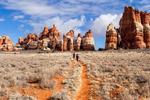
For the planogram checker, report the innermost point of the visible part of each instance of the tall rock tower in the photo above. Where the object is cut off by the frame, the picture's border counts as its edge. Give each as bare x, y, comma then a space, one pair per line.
134, 29
111, 37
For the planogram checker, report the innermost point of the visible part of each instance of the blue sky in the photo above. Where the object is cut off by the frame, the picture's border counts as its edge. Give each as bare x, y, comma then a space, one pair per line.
20, 17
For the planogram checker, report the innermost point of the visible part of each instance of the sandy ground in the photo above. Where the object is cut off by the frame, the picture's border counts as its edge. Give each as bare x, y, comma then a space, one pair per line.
103, 75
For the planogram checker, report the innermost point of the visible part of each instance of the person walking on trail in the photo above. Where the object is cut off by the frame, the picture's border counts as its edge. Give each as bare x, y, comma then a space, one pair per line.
77, 57
74, 55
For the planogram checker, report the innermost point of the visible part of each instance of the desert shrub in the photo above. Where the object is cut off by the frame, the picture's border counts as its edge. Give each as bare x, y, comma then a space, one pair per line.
17, 96
59, 96
3, 92
33, 78
45, 83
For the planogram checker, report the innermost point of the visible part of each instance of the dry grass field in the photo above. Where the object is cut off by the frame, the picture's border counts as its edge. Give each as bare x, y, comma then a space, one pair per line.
103, 75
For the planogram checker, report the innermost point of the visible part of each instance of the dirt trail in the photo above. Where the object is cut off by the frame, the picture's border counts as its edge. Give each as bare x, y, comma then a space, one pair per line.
84, 90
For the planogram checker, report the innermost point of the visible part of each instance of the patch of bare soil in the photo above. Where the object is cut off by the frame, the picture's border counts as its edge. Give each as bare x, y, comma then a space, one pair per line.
84, 90
38, 93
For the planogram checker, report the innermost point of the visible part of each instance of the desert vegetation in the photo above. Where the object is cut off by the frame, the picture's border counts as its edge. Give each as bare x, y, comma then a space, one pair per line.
105, 75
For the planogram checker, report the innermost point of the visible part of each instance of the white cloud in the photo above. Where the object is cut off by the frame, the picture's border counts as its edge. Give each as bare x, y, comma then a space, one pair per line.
62, 25
2, 19
42, 8
17, 17
30, 7
131, 1
64, 13
100, 24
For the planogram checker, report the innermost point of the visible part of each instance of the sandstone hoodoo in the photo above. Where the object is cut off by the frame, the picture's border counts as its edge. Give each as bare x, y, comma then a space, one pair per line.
145, 18
6, 44
54, 37
88, 41
29, 42
131, 28
68, 41
134, 30
111, 37
50, 39
77, 43
44, 34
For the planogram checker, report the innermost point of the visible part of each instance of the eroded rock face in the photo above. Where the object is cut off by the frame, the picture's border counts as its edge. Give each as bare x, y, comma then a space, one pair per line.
77, 44
53, 32
6, 44
88, 41
111, 37
145, 17
135, 29
50, 38
29, 42
54, 36
21, 41
68, 41
44, 34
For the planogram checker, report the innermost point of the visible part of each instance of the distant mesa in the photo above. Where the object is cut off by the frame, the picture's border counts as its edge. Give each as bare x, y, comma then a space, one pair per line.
133, 33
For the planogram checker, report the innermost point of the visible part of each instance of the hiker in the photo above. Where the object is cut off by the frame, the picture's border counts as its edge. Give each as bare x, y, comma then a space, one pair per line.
74, 55
77, 57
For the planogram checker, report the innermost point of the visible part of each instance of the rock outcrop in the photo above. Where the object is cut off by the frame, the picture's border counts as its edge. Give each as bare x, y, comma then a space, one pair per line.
134, 29
68, 41
29, 42
51, 39
145, 18
88, 41
77, 43
111, 37
6, 44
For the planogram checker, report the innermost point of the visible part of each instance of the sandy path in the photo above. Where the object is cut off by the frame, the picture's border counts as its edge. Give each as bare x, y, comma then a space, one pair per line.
84, 90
